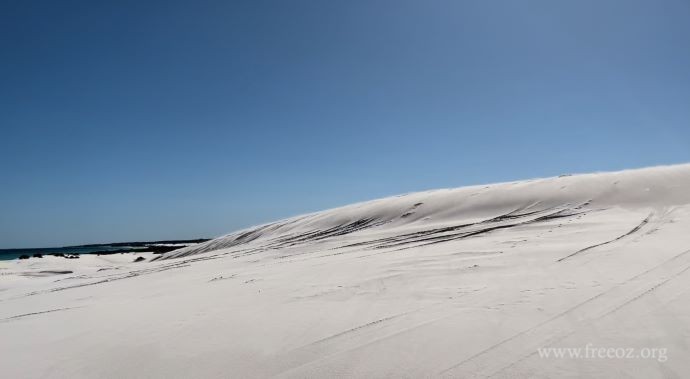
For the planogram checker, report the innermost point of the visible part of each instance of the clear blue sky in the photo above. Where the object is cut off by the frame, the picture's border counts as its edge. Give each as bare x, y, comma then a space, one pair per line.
141, 120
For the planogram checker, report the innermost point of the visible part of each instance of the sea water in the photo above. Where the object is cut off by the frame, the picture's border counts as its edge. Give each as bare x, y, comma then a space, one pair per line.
7, 254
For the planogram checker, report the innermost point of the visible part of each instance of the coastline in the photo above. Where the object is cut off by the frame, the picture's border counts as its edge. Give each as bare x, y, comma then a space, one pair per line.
155, 247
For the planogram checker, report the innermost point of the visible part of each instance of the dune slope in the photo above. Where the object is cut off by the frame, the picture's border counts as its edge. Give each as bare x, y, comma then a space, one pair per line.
467, 282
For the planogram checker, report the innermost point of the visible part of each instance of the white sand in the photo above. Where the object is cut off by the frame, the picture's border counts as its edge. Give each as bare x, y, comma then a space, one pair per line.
465, 282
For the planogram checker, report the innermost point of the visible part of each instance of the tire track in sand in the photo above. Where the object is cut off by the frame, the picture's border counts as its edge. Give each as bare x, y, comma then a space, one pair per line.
504, 354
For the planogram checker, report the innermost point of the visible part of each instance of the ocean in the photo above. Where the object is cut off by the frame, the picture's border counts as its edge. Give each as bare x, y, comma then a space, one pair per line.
8, 254
157, 247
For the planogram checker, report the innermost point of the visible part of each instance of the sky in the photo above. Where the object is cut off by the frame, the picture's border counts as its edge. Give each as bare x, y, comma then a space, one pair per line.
149, 120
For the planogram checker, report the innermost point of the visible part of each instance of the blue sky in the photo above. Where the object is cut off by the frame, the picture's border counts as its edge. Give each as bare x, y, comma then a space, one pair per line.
141, 120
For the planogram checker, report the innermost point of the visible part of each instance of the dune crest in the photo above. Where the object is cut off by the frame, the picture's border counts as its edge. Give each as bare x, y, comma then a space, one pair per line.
654, 188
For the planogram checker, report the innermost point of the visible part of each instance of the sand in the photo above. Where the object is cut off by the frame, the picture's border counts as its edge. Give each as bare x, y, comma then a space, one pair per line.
467, 282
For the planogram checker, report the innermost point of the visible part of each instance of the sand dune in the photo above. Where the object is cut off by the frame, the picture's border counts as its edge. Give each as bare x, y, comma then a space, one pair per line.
467, 282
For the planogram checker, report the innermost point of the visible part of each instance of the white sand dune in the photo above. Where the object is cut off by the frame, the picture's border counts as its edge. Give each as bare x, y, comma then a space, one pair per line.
466, 282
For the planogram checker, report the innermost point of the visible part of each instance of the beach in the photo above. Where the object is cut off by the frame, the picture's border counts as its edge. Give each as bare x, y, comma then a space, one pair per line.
467, 282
